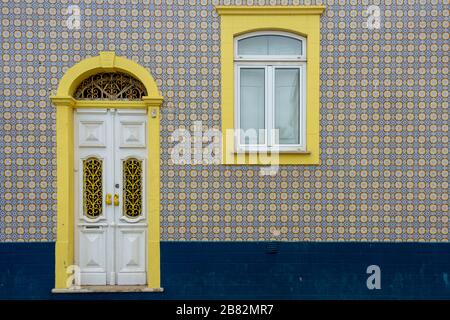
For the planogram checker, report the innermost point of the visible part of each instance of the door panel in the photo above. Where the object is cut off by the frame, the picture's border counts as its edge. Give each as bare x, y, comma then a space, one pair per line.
130, 171
110, 157
131, 255
93, 163
132, 133
93, 256
92, 133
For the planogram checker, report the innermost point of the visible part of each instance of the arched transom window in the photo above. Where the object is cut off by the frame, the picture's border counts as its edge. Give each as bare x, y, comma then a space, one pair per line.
270, 92
110, 86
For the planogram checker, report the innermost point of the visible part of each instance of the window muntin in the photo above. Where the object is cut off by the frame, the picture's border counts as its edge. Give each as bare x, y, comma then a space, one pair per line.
284, 96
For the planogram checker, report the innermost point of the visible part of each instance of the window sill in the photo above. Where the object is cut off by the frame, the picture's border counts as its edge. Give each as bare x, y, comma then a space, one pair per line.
249, 157
237, 152
106, 289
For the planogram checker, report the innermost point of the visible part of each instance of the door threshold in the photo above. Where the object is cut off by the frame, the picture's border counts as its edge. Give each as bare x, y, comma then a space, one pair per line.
107, 289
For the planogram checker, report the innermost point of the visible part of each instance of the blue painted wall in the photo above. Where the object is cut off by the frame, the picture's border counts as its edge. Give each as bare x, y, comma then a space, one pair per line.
259, 270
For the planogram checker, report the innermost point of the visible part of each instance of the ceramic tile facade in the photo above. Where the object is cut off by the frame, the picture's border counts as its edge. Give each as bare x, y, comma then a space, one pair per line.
384, 121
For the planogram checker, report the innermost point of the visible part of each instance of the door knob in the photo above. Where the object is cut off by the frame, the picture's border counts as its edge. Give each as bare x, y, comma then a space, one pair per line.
116, 200
108, 199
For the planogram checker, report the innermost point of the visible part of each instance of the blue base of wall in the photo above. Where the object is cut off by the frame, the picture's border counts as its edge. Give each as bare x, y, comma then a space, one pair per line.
259, 270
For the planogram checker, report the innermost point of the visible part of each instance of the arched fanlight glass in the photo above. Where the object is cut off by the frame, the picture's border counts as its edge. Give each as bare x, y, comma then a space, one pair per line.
270, 45
110, 86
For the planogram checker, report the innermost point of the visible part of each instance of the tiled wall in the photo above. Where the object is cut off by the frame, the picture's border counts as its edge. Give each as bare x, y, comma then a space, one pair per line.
384, 121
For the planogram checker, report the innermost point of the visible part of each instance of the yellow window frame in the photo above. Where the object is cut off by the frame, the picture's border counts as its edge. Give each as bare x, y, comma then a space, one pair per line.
301, 20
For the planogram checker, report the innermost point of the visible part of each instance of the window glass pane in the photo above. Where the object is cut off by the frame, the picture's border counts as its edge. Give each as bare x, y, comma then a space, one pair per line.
252, 105
270, 45
287, 105
253, 46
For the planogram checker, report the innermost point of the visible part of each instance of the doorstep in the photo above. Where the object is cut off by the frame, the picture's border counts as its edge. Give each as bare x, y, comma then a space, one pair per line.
107, 289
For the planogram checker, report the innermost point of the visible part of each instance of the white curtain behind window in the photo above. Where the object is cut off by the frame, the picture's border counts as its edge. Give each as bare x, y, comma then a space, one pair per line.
287, 105
252, 102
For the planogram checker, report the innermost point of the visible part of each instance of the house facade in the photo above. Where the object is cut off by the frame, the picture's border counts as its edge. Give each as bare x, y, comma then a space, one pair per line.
224, 149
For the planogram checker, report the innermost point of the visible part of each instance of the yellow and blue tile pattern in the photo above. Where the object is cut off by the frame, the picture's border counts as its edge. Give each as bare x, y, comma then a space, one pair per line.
384, 120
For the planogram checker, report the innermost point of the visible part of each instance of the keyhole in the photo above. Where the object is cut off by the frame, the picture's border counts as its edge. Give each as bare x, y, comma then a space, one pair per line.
117, 185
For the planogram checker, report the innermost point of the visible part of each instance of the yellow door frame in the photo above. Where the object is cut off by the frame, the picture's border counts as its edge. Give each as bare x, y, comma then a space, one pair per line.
65, 104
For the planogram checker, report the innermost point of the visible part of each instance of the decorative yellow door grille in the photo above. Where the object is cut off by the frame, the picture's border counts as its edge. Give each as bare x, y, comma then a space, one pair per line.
110, 86
132, 187
92, 187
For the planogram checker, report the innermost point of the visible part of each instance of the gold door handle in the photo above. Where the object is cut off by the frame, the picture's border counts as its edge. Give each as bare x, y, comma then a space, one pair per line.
116, 200
108, 199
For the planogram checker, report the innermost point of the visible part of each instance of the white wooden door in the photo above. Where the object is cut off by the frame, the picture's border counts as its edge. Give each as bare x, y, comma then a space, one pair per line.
111, 223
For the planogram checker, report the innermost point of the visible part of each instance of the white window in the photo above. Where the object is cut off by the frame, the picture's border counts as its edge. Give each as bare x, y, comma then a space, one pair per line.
270, 79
